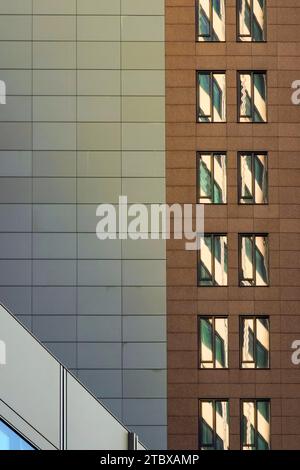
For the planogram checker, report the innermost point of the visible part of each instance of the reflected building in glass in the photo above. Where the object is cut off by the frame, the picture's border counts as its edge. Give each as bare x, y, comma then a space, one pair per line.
213, 260
212, 178
252, 97
212, 97
214, 425
253, 185
256, 425
213, 342
252, 20
211, 24
255, 342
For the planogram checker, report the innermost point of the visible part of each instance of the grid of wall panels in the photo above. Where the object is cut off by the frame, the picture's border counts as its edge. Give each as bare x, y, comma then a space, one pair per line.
83, 124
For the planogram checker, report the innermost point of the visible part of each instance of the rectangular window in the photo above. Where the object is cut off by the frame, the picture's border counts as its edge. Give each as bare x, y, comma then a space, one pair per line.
254, 260
255, 342
256, 425
252, 96
211, 97
213, 342
253, 178
212, 263
213, 425
212, 178
211, 20
252, 20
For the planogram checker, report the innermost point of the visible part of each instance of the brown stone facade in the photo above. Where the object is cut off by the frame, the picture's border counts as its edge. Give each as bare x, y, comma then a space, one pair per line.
280, 137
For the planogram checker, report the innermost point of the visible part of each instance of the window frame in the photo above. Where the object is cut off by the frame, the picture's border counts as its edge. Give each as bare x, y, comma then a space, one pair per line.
212, 154
211, 73
255, 318
213, 317
238, 33
213, 400
251, 73
212, 236
211, 25
252, 235
252, 154
255, 401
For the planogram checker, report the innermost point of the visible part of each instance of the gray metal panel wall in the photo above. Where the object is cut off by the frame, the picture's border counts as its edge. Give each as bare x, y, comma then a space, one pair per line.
83, 124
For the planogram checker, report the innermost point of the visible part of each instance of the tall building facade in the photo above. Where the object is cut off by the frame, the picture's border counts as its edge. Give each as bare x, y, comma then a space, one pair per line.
184, 101
83, 123
233, 145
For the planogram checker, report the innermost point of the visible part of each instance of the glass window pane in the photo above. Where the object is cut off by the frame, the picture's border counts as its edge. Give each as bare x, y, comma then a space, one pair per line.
219, 97
220, 179
211, 20
253, 97
245, 97
213, 260
214, 425
247, 261
254, 265
246, 179
262, 343
221, 343
261, 179
212, 97
263, 425
252, 20
218, 32
222, 425
10, 440
248, 338
260, 97
258, 20
206, 329
204, 97
205, 177
248, 425
261, 261
207, 423
220, 261
253, 179
206, 274
204, 19
245, 19
212, 179
256, 425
